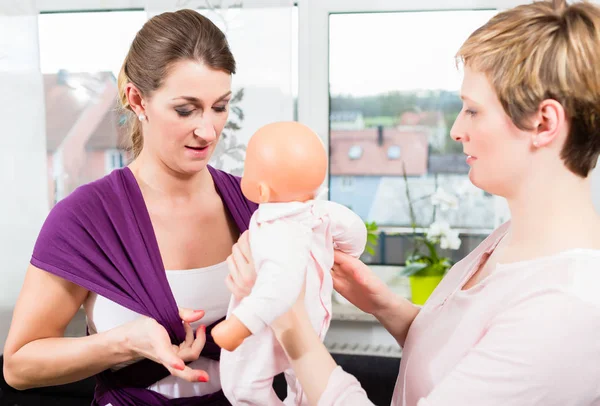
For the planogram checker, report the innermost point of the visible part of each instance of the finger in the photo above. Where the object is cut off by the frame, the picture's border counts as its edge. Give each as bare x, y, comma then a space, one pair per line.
189, 335
166, 354
246, 274
237, 284
339, 257
190, 375
244, 247
200, 340
234, 289
190, 315
192, 352
234, 271
339, 284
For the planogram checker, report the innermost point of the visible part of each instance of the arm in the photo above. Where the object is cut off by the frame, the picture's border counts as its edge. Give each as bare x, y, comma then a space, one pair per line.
542, 351
348, 229
36, 354
281, 251
324, 383
356, 282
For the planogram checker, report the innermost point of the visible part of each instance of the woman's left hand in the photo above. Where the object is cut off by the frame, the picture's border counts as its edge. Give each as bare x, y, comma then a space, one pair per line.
190, 349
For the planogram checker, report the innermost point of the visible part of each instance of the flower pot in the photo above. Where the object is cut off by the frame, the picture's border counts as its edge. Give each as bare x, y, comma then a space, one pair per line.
421, 287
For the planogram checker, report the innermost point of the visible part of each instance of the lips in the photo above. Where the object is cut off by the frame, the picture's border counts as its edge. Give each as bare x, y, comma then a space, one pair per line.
197, 148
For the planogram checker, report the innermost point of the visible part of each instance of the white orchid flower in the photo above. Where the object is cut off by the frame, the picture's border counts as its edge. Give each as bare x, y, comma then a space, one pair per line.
444, 200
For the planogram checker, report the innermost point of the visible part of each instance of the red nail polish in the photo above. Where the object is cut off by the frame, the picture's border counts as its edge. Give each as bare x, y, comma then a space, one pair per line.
203, 327
198, 311
179, 366
202, 378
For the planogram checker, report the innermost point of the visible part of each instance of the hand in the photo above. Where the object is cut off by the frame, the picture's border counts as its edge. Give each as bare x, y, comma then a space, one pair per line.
145, 337
242, 275
357, 283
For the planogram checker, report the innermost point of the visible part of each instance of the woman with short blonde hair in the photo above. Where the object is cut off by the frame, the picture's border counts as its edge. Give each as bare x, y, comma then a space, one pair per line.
516, 322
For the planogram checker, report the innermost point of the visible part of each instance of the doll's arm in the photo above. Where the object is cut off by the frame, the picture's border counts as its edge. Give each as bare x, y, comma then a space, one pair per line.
348, 229
281, 251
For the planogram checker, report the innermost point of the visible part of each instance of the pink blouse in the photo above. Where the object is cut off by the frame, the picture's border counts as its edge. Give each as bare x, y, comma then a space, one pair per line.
528, 334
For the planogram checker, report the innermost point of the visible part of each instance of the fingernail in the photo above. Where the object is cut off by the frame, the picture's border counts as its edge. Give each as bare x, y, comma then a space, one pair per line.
198, 311
203, 378
203, 327
178, 366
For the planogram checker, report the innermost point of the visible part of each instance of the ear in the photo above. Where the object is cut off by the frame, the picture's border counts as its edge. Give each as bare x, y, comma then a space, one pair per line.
135, 99
264, 192
550, 123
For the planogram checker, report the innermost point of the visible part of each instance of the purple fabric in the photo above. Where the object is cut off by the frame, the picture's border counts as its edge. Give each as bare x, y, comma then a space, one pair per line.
101, 238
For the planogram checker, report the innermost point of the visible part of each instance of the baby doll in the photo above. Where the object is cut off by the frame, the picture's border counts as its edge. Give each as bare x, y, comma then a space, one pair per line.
292, 240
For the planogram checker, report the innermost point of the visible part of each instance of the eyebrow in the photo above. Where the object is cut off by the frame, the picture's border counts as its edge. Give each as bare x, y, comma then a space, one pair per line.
196, 100
463, 97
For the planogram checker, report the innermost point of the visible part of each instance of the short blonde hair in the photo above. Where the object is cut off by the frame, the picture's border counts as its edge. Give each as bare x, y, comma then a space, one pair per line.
545, 50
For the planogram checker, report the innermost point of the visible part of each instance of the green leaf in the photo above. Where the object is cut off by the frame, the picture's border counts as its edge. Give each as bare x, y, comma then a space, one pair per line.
413, 268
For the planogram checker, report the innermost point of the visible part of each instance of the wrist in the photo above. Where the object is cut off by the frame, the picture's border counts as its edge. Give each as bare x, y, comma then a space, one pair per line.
391, 306
119, 344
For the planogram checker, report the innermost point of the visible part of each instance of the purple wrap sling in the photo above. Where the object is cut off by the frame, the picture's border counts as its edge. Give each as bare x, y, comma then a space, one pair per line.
100, 237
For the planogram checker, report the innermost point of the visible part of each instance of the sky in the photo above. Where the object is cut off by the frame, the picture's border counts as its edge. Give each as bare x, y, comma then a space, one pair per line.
381, 52
370, 53
91, 42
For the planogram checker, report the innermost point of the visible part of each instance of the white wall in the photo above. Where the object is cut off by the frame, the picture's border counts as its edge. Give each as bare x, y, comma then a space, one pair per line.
23, 205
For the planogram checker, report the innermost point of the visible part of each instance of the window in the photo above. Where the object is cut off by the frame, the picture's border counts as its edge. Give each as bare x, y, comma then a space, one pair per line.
393, 152
114, 159
355, 152
407, 98
347, 183
85, 132
80, 60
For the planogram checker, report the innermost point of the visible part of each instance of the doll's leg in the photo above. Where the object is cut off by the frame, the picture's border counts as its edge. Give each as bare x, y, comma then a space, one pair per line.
247, 373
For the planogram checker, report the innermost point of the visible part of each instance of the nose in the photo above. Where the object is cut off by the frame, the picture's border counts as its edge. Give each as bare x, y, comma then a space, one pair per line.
205, 129
457, 132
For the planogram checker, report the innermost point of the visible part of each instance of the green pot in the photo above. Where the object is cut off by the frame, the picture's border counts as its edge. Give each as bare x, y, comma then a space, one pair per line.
421, 287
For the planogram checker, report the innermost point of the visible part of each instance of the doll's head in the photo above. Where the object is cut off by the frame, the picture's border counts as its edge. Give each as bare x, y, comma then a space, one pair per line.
285, 162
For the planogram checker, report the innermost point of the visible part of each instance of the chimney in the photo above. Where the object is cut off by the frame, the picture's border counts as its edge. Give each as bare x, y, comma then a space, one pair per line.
380, 135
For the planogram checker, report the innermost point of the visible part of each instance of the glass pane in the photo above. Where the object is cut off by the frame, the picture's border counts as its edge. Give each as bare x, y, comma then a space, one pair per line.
394, 95
263, 40
80, 58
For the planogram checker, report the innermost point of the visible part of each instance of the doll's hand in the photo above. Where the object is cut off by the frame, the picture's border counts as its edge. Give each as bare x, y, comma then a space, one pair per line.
242, 275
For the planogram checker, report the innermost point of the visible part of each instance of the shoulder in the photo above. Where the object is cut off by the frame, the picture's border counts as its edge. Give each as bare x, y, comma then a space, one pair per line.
573, 273
225, 178
85, 199
230, 188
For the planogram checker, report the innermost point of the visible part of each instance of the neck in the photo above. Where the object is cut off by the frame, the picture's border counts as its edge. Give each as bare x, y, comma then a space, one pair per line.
551, 214
158, 177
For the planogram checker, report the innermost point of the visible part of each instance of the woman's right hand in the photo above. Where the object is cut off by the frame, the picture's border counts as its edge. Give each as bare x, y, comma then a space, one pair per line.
242, 275
356, 282
146, 338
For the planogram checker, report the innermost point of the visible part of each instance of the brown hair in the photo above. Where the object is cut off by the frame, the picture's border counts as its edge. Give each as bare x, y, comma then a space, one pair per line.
163, 40
545, 50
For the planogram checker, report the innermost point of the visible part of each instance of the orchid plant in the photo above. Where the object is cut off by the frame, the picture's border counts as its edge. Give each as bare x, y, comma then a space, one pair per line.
425, 259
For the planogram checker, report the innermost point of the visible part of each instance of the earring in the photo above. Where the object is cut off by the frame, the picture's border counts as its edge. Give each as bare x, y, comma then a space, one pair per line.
142, 117
535, 142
